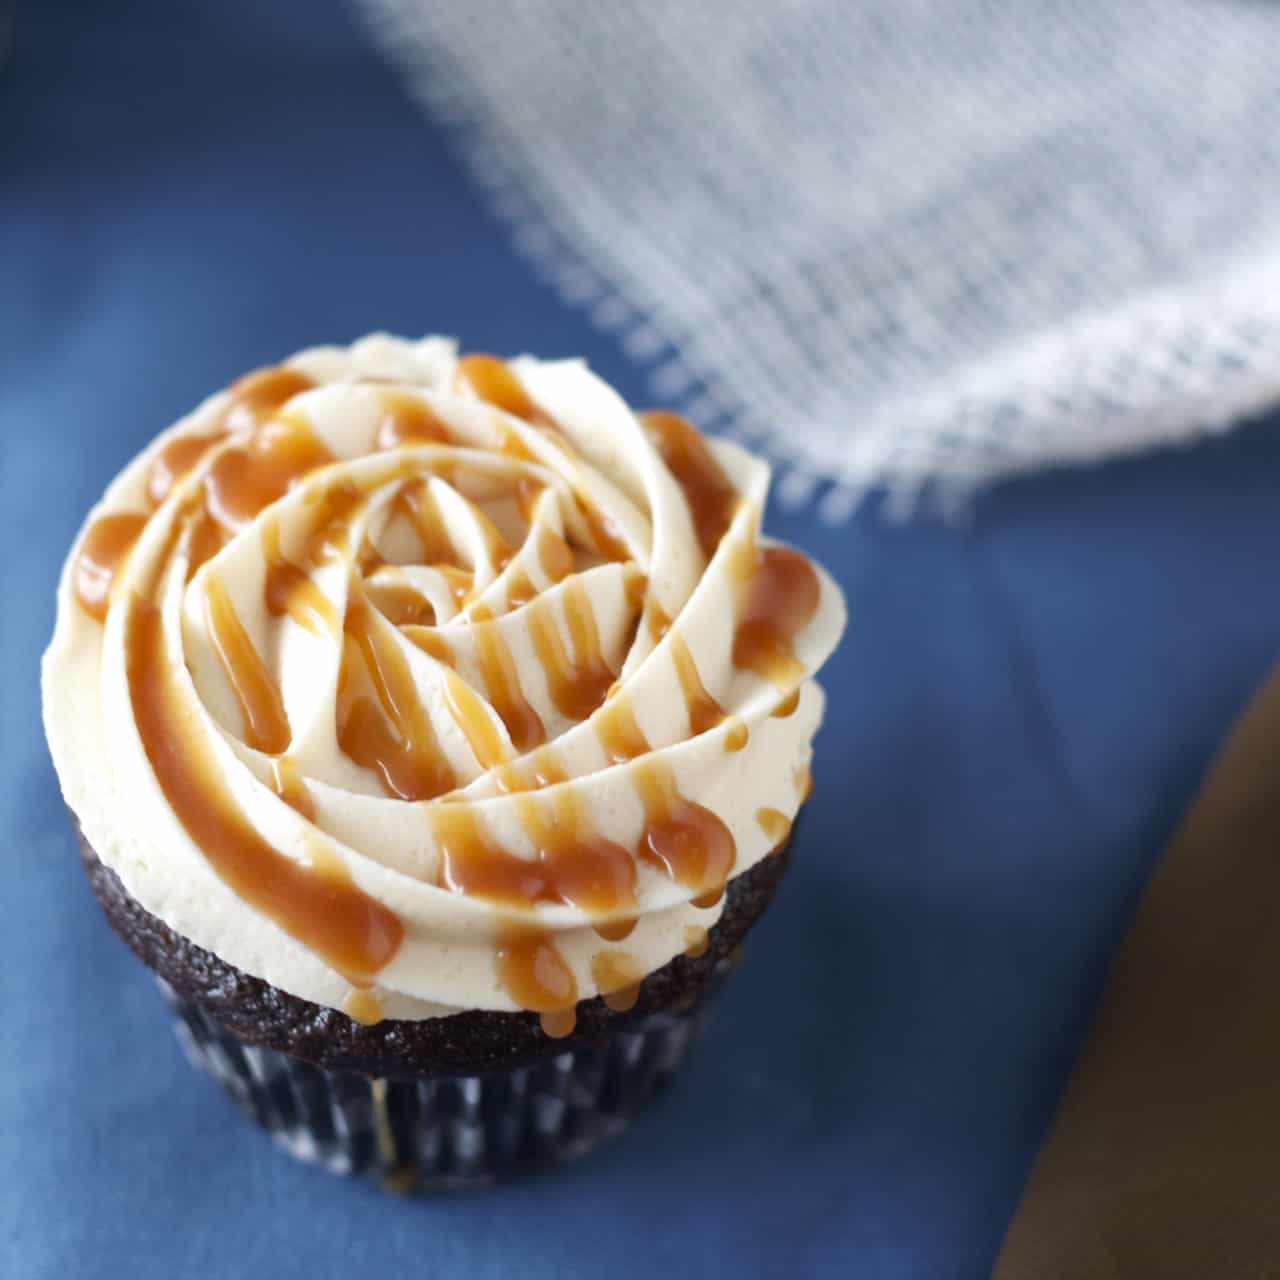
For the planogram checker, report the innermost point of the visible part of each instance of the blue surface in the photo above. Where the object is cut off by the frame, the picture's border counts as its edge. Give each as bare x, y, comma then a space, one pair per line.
1018, 713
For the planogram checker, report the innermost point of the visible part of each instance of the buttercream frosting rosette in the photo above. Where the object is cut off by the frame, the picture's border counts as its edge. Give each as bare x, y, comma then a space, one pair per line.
413, 683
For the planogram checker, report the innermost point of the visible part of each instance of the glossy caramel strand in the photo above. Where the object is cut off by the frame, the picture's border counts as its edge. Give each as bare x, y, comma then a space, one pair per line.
577, 685
704, 711
287, 590
316, 903
712, 500
175, 460
392, 736
261, 707
534, 973
617, 976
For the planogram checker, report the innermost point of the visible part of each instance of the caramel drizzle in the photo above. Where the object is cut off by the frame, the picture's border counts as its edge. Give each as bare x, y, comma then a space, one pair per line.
704, 711
288, 590
572, 866
393, 737
287, 783
687, 841
362, 1007
261, 707
577, 686
406, 421
696, 941
617, 976
775, 825
318, 904
619, 734
737, 736
492, 380
174, 461
246, 479
711, 499
256, 395
103, 551
401, 603
536, 977
787, 705
780, 598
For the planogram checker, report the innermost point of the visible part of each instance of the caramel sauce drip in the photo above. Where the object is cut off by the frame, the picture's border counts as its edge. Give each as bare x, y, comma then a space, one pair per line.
362, 1007
520, 590
712, 499
787, 705
502, 687
689, 842
616, 930
573, 866
534, 974
257, 395
317, 904
248, 478
395, 740
470, 716
775, 825
175, 460
804, 783
704, 711
737, 737
261, 707
658, 622
205, 542
287, 783
617, 977
696, 941
577, 687
492, 380
558, 1023
619, 734
603, 532
708, 899
406, 421
418, 504
103, 551
781, 596
539, 770
554, 555
286, 589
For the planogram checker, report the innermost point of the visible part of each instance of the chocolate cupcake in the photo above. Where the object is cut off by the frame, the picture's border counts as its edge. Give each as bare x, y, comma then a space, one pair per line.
435, 727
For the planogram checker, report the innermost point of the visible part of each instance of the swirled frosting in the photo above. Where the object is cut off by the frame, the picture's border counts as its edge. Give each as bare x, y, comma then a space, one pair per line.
414, 683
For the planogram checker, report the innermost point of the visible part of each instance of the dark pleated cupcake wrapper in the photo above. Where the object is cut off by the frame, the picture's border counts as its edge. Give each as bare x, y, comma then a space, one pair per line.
448, 1132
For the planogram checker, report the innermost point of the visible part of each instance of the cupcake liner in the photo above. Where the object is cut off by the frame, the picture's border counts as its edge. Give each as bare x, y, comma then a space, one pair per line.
442, 1132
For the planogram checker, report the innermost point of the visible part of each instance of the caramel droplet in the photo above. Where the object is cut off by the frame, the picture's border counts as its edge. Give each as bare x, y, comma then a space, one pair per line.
803, 778
788, 704
103, 551
617, 977
775, 824
695, 941
577, 686
737, 736
492, 380
616, 930
362, 1007
534, 974
558, 1023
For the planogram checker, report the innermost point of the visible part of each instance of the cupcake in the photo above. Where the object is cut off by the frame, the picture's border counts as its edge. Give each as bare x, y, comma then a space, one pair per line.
434, 728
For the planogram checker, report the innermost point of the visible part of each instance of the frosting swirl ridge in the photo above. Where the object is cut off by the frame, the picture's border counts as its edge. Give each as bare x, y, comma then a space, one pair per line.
414, 683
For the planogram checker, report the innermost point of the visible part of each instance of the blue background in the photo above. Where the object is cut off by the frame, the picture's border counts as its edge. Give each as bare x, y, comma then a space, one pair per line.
1018, 713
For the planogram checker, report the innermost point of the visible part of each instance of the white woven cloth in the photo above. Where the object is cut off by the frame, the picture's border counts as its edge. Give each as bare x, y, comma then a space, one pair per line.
918, 245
